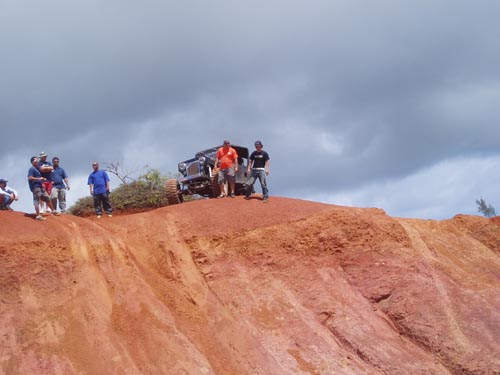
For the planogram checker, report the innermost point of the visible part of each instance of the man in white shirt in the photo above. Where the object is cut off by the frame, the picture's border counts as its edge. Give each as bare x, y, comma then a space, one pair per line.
7, 195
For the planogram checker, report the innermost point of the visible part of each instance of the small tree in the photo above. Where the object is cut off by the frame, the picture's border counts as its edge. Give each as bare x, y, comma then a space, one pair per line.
486, 209
124, 175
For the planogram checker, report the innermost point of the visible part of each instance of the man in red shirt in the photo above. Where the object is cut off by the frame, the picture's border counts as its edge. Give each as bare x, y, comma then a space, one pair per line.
227, 161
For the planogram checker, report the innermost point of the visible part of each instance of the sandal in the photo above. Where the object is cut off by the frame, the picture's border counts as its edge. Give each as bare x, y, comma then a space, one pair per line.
221, 196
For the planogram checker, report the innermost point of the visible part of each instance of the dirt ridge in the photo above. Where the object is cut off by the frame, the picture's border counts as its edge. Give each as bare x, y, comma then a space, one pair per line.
232, 287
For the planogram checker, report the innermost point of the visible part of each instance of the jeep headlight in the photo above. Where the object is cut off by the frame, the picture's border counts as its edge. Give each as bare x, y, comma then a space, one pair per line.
182, 167
202, 160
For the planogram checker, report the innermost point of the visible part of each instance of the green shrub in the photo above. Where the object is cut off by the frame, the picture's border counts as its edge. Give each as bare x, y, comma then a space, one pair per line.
145, 194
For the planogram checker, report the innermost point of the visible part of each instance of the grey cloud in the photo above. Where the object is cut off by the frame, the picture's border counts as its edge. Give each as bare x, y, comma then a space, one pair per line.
342, 93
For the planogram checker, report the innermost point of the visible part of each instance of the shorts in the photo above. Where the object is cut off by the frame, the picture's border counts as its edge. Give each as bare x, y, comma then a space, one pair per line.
226, 175
47, 186
39, 194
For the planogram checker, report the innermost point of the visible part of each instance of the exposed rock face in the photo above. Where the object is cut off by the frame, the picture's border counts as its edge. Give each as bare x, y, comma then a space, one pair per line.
234, 287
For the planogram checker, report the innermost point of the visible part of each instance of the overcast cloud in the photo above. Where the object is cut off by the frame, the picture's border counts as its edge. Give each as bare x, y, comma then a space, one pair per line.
389, 104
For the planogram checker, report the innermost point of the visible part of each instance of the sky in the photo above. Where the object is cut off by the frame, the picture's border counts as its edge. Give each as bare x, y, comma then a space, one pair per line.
365, 103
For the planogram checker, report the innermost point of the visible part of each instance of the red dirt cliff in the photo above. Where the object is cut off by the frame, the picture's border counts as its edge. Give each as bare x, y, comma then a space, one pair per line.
231, 287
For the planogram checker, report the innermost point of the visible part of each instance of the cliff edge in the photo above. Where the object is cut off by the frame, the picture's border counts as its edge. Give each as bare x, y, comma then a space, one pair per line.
235, 287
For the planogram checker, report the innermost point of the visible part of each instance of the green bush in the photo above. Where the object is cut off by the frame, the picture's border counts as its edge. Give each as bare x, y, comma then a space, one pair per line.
145, 194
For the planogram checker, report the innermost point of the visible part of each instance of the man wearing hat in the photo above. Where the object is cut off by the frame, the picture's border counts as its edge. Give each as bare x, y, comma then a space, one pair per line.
7, 195
258, 168
46, 169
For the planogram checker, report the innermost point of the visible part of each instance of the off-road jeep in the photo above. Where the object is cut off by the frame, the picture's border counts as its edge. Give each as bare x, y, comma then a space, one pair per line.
199, 176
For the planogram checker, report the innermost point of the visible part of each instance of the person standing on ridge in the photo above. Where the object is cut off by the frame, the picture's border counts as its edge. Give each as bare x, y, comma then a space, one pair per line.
226, 160
258, 167
46, 169
60, 185
98, 182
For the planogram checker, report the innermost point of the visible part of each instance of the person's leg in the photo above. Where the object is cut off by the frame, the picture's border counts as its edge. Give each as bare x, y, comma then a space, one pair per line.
7, 204
45, 197
53, 197
231, 185
61, 197
37, 192
231, 179
105, 203
222, 181
250, 183
97, 204
263, 184
43, 202
4, 202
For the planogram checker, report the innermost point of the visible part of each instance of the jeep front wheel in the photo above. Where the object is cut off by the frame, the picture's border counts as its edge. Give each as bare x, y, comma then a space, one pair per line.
214, 186
174, 193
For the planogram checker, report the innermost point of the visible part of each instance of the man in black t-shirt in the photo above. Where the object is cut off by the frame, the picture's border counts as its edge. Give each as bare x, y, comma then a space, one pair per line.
258, 168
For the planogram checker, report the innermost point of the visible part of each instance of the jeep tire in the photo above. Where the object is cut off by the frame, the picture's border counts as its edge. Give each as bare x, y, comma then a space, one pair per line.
214, 186
174, 193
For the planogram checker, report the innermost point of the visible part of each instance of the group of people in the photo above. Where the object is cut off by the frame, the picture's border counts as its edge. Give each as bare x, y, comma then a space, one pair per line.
226, 160
48, 182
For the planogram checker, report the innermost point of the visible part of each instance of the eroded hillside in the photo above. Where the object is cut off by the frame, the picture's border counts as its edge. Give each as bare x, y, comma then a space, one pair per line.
231, 287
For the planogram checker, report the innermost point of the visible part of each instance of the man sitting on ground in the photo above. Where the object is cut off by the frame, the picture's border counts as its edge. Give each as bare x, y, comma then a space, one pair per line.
7, 195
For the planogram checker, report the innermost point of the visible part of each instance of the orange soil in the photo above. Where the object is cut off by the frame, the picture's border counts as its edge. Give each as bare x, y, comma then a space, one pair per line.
231, 287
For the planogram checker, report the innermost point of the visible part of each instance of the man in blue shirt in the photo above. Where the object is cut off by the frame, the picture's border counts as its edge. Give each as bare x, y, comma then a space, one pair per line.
60, 185
98, 182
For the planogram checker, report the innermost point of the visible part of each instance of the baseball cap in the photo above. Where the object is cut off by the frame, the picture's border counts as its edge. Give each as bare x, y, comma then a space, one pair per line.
3, 181
42, 154
258, 143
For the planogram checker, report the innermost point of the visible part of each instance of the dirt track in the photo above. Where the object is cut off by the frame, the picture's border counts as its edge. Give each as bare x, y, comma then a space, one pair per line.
231, 287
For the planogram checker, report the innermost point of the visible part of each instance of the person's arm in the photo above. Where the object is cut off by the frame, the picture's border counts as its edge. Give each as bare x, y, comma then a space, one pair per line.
250, 162
90, 182
14, 195
106, 178
267, 167
65, 179
235, 161
33, 178
45, 168
217, 160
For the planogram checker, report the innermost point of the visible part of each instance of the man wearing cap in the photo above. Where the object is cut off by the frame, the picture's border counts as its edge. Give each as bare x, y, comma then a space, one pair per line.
35, 180
46, 169
7, 195
226, 160
258, 167
60, 185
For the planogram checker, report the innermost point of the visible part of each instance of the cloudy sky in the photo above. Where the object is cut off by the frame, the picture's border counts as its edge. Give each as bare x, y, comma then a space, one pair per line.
367, 103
